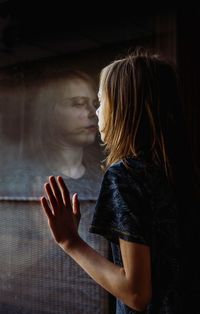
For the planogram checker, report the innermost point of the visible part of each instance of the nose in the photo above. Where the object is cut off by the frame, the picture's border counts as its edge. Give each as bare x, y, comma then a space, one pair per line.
91, 110
97, 112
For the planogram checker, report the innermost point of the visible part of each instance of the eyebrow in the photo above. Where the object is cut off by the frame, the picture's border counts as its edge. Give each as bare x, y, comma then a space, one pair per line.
76, 98
79, 98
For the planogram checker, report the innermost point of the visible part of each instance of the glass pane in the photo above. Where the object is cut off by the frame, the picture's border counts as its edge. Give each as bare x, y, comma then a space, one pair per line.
48, 127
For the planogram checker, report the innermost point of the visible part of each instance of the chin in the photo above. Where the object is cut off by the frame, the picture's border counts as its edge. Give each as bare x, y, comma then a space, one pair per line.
83, 140
102, 137
88, 141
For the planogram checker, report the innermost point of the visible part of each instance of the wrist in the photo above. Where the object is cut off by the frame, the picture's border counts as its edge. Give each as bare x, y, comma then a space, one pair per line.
70, 246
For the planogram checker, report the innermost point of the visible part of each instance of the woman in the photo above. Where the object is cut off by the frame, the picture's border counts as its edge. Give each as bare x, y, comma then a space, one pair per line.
137, 210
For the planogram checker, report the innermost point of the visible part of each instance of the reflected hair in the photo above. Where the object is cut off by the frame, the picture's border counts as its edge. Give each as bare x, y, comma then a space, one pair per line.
142, 109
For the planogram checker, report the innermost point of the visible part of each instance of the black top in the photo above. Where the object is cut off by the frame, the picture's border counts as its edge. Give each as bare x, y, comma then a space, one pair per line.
137, 204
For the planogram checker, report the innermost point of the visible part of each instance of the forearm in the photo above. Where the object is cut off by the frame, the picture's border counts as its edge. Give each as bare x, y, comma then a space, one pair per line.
110, 276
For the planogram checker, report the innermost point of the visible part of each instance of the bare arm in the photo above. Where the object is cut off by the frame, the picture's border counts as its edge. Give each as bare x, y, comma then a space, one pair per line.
130, 283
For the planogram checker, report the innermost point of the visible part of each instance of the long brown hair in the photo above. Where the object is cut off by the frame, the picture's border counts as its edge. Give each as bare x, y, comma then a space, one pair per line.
142, 111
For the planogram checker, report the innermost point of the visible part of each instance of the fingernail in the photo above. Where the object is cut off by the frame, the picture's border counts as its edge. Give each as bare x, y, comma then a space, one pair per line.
42, 199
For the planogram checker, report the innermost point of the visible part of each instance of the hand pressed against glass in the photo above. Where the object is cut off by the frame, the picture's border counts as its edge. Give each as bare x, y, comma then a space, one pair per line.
62, 212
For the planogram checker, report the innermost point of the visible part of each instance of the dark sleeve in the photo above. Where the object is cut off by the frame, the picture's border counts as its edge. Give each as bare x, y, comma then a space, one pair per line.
122, 209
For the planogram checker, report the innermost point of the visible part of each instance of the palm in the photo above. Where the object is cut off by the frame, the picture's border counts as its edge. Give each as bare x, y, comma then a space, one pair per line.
63, 216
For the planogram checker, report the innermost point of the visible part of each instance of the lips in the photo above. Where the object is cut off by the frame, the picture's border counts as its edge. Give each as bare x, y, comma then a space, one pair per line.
91, 128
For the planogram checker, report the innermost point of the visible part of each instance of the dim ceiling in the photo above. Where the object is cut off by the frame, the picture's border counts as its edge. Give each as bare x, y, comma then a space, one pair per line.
29, 31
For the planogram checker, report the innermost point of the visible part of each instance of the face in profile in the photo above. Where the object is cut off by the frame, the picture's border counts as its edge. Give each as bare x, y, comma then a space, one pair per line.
75, 113
100, 112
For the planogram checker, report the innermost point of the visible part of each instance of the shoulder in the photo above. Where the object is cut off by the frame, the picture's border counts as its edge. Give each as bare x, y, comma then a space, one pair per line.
121, 165
116, 168
116, 173
129, 168
137, 174
129, 174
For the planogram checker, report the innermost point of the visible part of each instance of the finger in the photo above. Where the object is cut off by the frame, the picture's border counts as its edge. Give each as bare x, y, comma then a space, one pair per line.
46, 208
75, 204
65, 192
56, 190
51, 196
76, 209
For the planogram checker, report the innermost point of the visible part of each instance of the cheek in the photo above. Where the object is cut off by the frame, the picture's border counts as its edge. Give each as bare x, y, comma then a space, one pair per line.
76, 114
65, 120
66, 115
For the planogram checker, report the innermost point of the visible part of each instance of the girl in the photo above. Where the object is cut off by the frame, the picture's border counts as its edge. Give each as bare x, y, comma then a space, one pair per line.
142, 129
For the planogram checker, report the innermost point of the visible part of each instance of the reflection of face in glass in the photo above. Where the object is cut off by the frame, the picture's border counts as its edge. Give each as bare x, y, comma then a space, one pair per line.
75, 113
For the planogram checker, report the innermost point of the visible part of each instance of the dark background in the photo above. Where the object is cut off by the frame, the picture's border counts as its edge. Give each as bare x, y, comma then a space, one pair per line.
32, 29
91, 35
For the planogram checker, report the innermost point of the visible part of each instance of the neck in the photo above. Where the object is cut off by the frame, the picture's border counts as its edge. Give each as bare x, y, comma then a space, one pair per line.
67, 160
